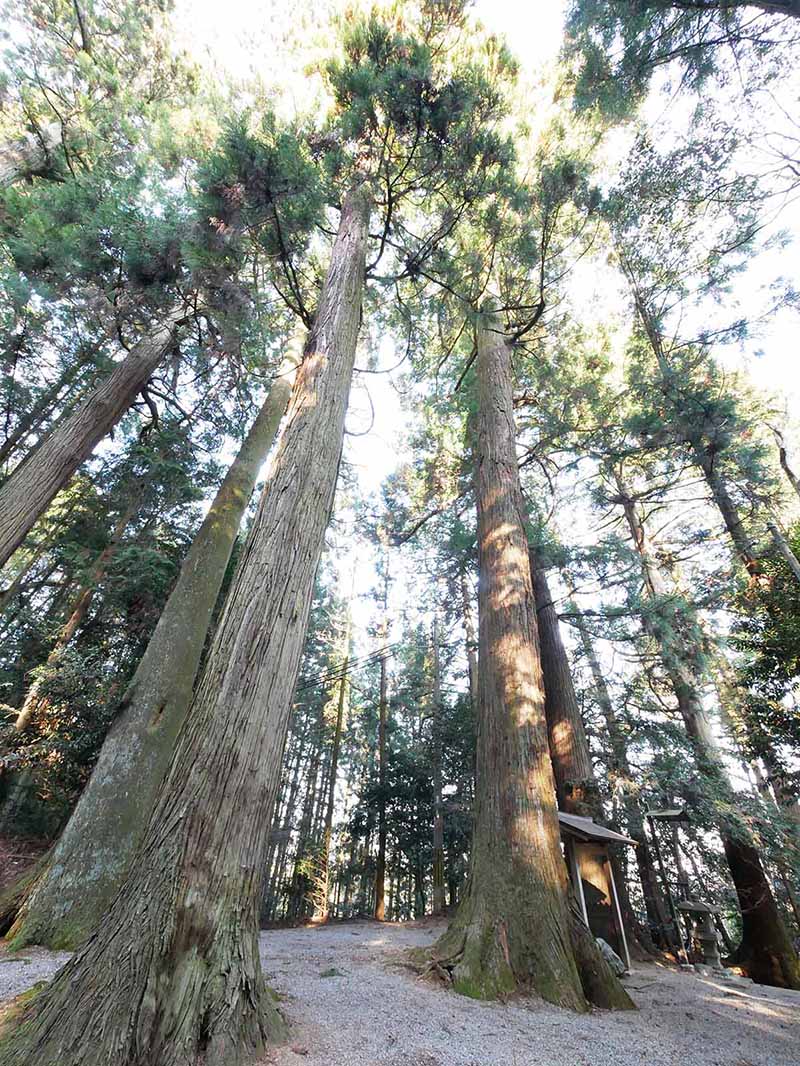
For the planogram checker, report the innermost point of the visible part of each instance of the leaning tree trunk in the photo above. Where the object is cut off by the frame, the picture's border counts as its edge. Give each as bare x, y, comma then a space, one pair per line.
512, 930
25, 496
41, 409
655, 905
22, 791
783, 458
80, 608
766, 949
784, 548
576, 785
704, 451
89, 860
173, 974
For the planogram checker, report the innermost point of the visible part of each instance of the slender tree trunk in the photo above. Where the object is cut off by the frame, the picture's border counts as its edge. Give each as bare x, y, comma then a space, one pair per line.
323, 886
298, 887
32, 419
90, 858
282, 826
26, 495
173, 974
576, 785
792, 478
364, 886
766, 949
784, 548
513, 930
706, 459
438, 814
471, 640
80, 607
704, 451
380, 865
23, 790
11, 590
655, 904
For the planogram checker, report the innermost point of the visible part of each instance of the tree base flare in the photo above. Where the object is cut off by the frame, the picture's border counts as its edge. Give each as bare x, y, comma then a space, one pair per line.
476, 961
488, 957
177, 1025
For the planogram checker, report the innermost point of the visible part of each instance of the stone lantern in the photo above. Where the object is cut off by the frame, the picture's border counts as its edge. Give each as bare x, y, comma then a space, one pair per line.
703, 931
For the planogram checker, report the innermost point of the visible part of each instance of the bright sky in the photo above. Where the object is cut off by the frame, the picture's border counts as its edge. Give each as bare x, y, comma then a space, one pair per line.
272, 39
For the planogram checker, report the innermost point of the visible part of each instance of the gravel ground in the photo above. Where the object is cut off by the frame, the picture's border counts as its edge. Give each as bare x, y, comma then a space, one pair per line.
351, 1003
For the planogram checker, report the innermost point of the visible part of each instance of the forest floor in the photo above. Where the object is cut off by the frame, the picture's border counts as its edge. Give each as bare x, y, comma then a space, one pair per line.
352, 1002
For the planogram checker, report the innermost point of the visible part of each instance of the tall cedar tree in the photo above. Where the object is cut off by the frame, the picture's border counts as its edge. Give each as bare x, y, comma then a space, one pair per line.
173, 975
513, 929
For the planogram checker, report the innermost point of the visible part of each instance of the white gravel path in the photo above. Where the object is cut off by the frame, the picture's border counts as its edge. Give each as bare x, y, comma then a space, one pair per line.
351, 1004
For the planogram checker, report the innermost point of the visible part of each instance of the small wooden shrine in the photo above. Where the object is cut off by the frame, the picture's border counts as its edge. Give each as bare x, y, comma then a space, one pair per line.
586, 849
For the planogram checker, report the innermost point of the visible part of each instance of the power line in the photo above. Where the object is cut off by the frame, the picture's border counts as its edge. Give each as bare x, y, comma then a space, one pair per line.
353, 664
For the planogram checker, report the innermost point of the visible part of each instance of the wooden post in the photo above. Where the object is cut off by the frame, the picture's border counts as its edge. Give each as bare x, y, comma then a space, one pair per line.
618, 913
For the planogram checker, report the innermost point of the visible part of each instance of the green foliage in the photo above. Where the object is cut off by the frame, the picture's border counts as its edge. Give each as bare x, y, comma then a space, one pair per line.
767, 633
620, 45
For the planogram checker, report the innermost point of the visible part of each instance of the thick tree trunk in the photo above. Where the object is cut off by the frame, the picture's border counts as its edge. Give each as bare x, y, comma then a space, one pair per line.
26, 495
173, 974
438, 813
766, 949
383, 709
90, 859
513, 929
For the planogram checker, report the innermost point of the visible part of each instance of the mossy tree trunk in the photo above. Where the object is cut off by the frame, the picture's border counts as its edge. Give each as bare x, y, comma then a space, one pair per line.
173, 976
513, 930
26, 495
88, 862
